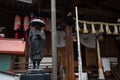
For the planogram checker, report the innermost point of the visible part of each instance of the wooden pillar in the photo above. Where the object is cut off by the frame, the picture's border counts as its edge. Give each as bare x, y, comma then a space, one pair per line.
69, 54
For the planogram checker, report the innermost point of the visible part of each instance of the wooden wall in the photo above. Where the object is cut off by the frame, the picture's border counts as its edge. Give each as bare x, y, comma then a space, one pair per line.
108, 48
91, 57
7, 20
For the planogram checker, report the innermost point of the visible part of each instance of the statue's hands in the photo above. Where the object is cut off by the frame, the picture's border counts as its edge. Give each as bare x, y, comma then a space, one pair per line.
38, 36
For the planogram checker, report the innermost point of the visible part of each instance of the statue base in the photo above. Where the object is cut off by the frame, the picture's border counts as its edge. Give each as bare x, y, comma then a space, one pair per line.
36, 74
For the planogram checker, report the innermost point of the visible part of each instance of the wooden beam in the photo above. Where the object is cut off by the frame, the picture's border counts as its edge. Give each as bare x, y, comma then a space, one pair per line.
73, 4
34, 1
38, 5
48, 10
86, 11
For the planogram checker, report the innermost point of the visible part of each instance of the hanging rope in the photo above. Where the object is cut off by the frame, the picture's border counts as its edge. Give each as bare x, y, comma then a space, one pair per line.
93, 24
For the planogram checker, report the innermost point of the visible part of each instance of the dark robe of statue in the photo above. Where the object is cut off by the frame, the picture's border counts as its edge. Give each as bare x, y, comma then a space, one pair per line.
37, 44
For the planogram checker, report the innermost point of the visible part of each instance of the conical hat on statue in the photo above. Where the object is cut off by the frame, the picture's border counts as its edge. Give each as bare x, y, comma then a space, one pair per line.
37, 22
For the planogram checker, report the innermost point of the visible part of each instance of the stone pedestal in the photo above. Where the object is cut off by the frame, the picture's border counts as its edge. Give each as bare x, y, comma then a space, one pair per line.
35, 74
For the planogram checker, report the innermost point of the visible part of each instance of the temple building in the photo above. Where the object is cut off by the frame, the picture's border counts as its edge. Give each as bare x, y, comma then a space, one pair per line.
82, 39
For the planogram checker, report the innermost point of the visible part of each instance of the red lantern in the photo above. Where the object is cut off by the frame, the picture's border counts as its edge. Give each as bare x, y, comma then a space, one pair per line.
17, 23
26, 23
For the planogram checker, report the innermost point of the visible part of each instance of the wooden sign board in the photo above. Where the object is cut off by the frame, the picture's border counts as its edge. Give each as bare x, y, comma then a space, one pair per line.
12, 46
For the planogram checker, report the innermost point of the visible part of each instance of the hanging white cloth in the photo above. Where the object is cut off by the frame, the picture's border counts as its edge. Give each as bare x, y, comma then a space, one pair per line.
88, 40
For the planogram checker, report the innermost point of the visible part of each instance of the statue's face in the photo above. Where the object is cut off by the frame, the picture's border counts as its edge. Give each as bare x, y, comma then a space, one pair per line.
32, 28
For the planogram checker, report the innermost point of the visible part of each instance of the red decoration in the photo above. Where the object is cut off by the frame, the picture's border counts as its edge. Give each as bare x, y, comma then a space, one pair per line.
26, 23
17, 23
